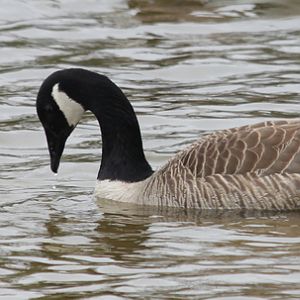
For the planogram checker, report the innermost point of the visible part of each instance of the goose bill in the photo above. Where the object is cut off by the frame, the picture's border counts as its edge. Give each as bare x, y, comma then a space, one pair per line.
56, 145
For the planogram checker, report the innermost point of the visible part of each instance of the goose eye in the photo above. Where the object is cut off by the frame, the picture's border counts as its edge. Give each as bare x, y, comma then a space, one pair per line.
48, 108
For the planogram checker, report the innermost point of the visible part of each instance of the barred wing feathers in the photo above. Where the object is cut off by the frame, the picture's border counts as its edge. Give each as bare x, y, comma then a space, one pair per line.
254, 167
264, 148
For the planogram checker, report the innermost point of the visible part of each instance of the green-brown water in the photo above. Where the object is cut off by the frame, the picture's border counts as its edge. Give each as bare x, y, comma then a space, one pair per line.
188, 67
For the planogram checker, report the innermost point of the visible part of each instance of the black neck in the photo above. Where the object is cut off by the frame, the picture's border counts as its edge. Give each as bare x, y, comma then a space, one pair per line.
122, 150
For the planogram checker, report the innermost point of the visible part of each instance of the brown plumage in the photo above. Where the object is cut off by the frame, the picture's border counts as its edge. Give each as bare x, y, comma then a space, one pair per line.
253, 167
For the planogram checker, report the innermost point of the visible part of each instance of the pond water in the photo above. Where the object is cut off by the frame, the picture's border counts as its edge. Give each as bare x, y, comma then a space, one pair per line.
188, 67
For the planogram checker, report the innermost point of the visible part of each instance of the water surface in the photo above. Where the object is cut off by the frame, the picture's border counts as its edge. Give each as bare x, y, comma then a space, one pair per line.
188, 67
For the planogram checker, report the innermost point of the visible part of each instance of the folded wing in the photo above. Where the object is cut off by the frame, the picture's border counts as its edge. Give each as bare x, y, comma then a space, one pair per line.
263, 148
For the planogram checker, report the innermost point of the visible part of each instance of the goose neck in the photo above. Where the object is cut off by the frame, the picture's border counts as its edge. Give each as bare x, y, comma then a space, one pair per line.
123, 157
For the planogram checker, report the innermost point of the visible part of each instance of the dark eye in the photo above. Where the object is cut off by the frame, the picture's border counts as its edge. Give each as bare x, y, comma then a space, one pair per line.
48, 108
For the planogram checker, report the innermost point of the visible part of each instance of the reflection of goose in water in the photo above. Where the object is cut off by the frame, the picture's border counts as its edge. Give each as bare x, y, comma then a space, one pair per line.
168, 10
251, 167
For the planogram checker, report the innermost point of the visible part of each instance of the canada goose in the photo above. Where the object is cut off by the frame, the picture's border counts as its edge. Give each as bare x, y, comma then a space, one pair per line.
250, 167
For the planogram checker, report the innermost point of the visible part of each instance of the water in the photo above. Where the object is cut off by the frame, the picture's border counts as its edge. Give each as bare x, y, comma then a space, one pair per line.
188, 67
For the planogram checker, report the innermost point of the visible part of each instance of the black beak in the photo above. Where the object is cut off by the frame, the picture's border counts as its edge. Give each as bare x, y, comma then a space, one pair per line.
56, 145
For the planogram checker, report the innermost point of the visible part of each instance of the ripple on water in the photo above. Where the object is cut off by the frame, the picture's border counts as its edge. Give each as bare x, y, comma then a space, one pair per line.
188, 68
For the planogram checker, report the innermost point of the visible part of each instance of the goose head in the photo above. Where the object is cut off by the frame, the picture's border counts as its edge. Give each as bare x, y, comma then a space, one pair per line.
62, 100
59, 115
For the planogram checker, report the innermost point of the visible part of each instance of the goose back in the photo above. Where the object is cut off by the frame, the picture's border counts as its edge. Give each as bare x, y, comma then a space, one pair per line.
254, 167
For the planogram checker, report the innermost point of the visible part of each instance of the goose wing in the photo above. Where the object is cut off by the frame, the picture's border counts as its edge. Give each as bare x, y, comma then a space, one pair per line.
263, 148
250, 167
253, 167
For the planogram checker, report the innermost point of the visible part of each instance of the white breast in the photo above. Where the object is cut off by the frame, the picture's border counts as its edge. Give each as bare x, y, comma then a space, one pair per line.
120, 191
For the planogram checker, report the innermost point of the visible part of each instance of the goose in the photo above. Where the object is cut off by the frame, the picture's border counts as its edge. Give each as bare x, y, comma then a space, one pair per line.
253, 167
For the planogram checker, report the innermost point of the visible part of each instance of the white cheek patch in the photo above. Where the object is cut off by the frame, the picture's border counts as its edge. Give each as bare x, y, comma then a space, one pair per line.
72, 110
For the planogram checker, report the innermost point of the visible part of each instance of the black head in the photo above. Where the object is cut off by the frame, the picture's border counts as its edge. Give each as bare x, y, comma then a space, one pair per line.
62, 99
58, 114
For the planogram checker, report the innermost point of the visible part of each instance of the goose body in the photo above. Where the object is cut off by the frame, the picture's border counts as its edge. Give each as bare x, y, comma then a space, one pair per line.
249, 167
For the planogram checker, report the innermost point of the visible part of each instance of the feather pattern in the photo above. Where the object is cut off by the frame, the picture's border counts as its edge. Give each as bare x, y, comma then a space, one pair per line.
250, 167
